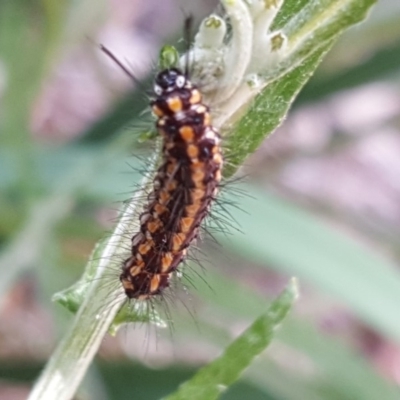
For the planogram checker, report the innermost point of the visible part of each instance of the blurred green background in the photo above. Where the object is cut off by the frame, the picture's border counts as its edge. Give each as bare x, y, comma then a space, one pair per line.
324, 205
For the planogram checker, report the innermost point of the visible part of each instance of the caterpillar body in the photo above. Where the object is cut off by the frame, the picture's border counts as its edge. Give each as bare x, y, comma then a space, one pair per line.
184, 187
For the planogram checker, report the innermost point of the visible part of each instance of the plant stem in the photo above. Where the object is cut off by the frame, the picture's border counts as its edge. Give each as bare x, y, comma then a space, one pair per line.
68, 364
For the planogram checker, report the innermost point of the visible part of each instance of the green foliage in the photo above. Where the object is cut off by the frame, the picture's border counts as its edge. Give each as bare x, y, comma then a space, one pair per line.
216, 377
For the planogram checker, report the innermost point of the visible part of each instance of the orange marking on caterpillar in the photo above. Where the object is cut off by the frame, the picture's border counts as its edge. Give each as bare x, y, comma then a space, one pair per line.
207, 119
187, 133
195, 98
174, 104
166, 262
154, 283
157, 111
136, 270
192, 209
160, 209
192, 151
154, 226
186, 223
144, 248
196, 195
164, 197
177, 241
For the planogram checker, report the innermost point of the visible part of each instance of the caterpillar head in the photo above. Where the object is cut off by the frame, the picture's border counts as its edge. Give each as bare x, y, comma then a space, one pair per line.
168, 80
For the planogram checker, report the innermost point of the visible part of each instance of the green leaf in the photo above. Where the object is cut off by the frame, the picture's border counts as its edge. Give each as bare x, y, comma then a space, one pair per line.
332, 371
213, 379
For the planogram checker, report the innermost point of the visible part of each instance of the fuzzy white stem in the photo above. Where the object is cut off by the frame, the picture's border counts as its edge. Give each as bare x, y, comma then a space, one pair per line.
231, 108
239, 51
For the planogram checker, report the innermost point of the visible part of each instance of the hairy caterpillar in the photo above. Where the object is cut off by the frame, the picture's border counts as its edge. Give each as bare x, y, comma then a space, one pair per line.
183, 190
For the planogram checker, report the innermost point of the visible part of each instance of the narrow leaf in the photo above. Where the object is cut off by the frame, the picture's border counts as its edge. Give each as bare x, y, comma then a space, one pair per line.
213, 379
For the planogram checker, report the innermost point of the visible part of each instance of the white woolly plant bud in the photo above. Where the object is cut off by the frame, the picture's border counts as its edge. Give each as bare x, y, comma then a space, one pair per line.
265, 45
269, 50
229, 71
264, 11
238, 50
207, 57
211, 33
